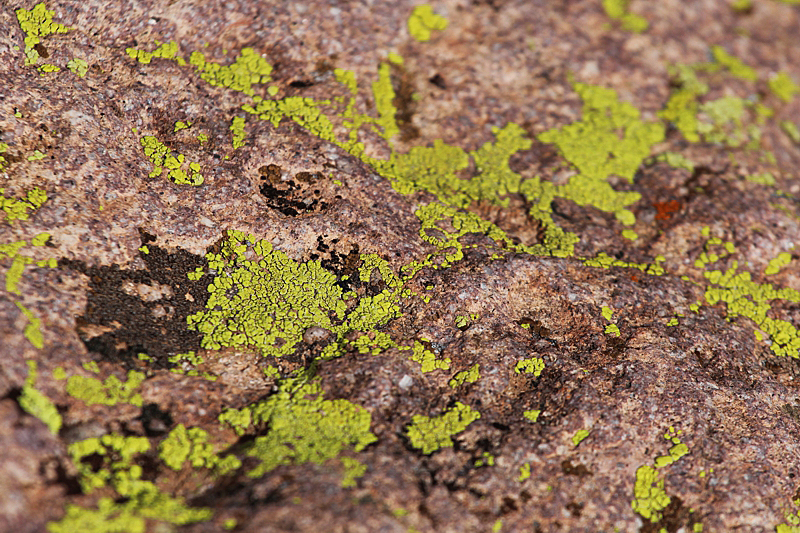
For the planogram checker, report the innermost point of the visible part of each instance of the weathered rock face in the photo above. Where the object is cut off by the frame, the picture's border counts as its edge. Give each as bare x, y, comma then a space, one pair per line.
507, 266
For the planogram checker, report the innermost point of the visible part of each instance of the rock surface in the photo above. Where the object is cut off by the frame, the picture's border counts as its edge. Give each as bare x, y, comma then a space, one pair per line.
478, 266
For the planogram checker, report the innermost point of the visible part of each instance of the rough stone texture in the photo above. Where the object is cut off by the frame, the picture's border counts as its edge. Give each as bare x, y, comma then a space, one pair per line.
733, 400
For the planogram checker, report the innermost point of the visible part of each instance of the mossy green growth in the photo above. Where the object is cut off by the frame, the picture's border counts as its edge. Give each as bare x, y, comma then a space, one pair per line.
783, 86
533, 365
650, 498
37, 24
161, 157
471, 375
302, 426
618, 10
109, 392
610, 139
237, 128
432, 433
734, 65
37, 404
138, 502
423, 21
182, 445
17, 209
268, 301
163, 51
775, 264
3, 161
78, 66
248, 69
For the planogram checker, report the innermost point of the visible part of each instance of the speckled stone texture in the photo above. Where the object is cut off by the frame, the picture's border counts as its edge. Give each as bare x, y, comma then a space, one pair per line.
709, 377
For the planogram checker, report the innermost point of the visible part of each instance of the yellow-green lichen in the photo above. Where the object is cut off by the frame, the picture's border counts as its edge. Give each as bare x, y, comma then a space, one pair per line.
138, 502
384, 96
109, 392
37, 24
237, 128
46, 69
723, 121
185, 363
791, 130
423, 21
17, 209
579, 436
32, 331
783, 86
618, 10
650, 498
598, 151
163, 51
532, 414
182, 445
471, 375
161, 157
269, 301
464, 321
775, 264
432, 433
744, 297
37, 404
78, 66
426, 358
676, 160
533, 365
36, 156
353, 469
524, 472
611, 329
734, 65
487, 459
302, 426
761, 178
678, 449
248, 69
